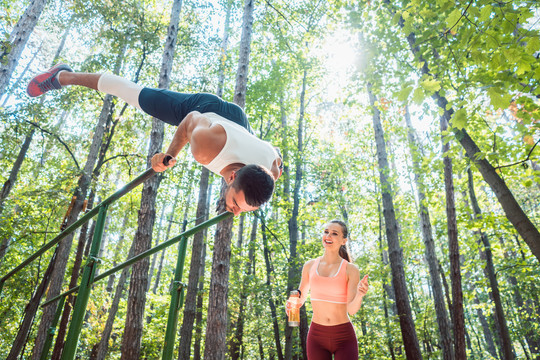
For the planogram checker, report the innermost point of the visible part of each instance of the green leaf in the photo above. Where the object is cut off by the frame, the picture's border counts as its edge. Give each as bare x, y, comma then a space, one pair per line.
499, 100
442, 3
512, 55
533, 45
453, 17
527, 182
523, 67
395, 19
459, 119
403, 95
418, 95
485, 13
430, 85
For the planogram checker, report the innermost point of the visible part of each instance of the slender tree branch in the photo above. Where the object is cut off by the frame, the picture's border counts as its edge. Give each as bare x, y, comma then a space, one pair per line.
260, 215
57, 138
522, 161
122, 156
280, 13
462, 15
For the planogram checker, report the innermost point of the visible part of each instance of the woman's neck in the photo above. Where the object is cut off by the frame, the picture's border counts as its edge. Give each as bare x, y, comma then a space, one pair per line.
331, 257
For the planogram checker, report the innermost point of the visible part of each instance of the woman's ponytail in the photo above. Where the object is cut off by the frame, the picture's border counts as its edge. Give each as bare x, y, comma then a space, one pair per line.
344, 249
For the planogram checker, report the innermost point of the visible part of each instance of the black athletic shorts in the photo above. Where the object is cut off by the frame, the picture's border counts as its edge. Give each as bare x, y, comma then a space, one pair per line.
172, 107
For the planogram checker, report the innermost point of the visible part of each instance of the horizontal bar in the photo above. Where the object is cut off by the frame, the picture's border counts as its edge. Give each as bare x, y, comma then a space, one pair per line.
148, 252
130, 186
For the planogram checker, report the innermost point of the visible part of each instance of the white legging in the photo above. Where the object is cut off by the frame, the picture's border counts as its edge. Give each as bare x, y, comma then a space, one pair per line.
118, 86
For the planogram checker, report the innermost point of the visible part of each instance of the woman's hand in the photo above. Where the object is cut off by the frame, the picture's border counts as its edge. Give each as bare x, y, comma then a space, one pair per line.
290, 304
363, 286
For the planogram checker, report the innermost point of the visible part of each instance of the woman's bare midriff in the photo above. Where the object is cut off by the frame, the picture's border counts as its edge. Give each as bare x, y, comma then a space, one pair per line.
327, 313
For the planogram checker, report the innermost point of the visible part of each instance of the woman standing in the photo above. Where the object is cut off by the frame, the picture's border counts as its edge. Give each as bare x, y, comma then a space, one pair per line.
336, 292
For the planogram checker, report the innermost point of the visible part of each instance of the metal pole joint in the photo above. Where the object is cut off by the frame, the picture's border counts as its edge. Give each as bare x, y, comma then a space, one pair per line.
177, 286
92, 260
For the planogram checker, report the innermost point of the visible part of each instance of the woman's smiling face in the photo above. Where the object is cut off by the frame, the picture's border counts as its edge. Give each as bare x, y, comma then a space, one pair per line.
332, 236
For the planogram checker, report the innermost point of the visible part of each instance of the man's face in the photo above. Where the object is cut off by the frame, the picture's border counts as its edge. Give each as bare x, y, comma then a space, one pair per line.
235, 201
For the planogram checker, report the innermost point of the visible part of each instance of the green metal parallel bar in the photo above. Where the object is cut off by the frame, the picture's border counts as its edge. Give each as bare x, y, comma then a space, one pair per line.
149, 252
130, 186
177, 298
52, 330
51, 243
79, 310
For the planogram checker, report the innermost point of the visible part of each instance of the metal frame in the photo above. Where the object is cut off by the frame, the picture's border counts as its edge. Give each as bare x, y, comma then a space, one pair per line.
85, 287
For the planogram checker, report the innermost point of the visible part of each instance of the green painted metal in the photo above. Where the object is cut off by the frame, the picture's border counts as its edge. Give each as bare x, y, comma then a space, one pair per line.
177, 298
79, 310
130, 186
177, 289
52, 330
149, 252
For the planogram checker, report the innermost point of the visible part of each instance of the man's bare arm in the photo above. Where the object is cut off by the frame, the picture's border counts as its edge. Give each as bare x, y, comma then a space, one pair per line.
180, 139
206, 141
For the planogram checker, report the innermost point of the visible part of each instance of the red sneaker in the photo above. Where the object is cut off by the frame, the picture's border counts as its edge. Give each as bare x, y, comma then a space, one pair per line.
46, 81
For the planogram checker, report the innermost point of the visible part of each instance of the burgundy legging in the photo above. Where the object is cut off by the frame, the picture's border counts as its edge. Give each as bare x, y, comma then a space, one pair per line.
340, 340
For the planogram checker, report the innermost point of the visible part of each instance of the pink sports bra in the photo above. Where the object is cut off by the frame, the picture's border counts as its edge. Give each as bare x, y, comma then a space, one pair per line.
329, 288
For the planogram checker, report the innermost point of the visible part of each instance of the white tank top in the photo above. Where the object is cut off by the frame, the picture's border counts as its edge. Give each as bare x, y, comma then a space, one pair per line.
240, 147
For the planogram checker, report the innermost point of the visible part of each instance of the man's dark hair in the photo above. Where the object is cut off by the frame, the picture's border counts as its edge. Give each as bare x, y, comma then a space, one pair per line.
256, 182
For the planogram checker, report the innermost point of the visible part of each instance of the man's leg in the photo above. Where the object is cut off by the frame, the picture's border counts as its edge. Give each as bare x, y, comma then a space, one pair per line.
88, 80
61, 75
168, 106
107, 83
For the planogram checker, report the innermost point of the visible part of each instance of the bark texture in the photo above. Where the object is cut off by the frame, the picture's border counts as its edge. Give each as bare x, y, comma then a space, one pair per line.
408, 330
131, 341
11, 51
445, 335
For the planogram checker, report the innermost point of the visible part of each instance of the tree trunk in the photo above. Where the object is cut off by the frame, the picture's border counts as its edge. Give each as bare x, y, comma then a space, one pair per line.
158, 239
8, 91
245, 49
30, 312
236, 341
527, 316
70, 300
10, 182
490, 270
131, 340
387, 292
408, 331
453, 248
192, 307
200, 290
224, 49
512, 209
488, 336
216, 330
99, 352
294, 273
10, 52
64, 246
106, 113
195, 271
445, 335
269, 291
162, 256
117, 249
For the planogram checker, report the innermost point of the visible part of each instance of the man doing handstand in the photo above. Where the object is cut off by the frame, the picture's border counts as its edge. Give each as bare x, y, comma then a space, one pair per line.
219, 133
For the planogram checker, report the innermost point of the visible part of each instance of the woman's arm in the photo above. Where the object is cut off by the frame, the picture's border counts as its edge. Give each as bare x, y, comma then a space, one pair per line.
356, 289
303, 287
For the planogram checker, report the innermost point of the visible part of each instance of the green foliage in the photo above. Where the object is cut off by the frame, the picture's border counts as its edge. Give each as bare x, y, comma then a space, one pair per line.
482, 56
